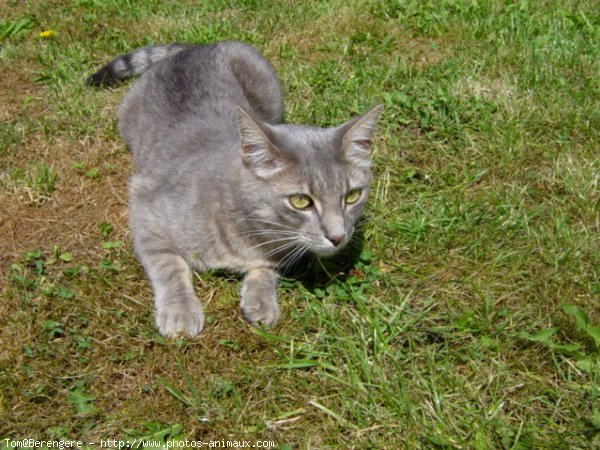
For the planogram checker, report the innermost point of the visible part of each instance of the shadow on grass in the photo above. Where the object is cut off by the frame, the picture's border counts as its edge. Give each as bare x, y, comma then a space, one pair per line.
317, 273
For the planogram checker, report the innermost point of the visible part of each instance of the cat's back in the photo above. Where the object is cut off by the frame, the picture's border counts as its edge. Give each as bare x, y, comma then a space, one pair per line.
191, 98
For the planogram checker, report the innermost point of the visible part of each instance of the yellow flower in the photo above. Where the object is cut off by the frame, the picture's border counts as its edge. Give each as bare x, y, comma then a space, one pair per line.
47, 34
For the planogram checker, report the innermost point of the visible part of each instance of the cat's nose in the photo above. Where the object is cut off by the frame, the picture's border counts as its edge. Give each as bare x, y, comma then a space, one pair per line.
336, 239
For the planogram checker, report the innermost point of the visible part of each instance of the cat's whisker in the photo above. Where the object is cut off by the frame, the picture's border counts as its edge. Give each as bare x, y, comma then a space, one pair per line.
252, 233
286, 244
296, 258
254, 217
279, 249
262, 244
291, 258
311, 262
271, 242
265, 221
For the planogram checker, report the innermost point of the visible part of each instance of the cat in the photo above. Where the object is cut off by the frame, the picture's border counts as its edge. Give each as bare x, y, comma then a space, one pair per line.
220, 182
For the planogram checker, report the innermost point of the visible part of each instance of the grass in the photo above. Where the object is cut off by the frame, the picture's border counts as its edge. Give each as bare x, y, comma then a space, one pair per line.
470, 319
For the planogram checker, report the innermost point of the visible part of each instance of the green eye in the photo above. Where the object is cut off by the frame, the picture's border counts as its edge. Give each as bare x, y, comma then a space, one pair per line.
300, 201
352, 196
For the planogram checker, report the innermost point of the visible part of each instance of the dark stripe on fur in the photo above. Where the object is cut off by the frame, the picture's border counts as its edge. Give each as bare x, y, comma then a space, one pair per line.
104, 77
126, 66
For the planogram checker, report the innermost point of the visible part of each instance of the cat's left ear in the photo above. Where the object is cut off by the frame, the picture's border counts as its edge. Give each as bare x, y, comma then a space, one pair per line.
356, 137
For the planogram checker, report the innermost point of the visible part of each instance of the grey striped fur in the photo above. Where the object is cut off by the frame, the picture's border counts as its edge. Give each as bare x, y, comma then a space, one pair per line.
216, 171
133, 64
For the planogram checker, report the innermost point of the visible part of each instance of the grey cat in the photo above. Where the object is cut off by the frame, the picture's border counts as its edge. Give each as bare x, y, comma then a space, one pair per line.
221, 183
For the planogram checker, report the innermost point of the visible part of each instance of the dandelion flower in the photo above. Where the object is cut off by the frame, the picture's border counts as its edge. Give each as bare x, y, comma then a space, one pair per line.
47, 34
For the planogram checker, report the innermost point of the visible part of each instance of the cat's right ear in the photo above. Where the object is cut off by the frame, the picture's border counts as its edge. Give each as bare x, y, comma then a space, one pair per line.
258, 153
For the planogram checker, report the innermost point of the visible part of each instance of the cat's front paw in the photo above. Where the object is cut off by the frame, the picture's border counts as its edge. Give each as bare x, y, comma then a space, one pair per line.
258, 308
180, 319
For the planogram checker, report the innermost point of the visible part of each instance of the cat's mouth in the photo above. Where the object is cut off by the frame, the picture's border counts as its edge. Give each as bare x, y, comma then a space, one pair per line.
325, 246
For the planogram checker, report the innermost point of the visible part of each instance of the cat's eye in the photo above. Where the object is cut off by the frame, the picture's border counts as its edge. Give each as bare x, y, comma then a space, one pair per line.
300, 201
352, 196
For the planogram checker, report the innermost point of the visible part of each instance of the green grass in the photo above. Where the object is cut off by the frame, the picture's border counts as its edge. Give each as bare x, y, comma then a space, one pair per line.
470, 319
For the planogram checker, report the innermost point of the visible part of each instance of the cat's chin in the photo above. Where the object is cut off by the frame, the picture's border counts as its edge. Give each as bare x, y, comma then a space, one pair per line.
326, 252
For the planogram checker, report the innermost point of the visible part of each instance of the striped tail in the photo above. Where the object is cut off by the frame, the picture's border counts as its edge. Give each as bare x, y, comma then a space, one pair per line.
133, 63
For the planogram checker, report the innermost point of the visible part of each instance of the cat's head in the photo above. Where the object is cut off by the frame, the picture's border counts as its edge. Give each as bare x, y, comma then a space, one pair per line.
306, 187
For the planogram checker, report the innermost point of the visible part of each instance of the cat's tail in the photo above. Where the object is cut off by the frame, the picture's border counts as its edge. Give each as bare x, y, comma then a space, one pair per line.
133, 63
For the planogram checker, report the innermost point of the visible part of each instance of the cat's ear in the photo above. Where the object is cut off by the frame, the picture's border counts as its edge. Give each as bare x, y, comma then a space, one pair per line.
356, 137
258, 153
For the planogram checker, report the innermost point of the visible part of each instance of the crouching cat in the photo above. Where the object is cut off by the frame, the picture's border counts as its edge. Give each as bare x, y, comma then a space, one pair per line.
221, 183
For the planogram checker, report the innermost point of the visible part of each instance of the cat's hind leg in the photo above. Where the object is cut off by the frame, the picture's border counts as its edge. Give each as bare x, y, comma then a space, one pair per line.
259, 296
178, 311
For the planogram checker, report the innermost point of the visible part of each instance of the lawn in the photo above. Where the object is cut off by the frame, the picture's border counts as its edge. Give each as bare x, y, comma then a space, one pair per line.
471, 317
